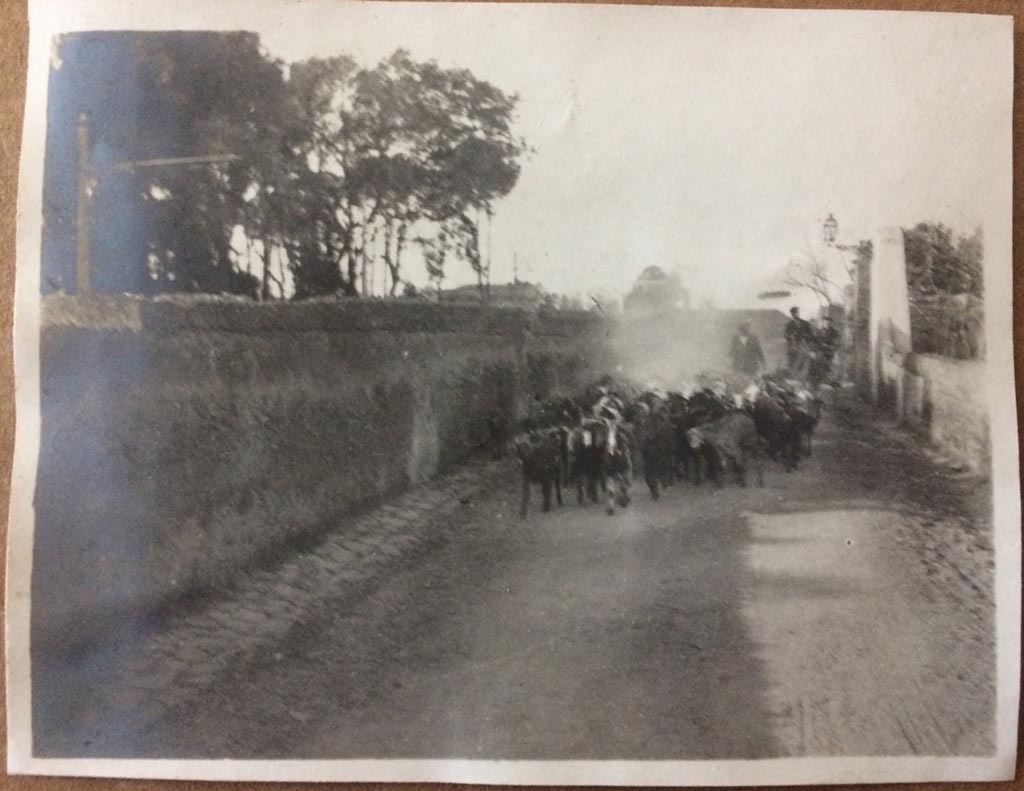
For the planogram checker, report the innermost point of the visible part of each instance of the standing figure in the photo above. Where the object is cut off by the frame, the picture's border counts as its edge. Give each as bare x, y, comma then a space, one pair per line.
618, 461
799, 337
828, 344
746, 353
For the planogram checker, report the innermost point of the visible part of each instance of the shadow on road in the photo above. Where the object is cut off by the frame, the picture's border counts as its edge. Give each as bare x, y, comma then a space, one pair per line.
572, 635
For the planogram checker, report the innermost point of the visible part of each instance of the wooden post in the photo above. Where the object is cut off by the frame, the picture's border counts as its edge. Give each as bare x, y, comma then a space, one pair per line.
83, 220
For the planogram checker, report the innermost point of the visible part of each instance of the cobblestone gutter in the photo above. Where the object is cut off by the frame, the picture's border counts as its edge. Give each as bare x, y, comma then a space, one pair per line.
188, 651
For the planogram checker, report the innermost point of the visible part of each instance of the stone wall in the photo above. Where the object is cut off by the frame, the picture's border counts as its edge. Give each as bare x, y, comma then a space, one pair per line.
184, 441
944, 400
861, 361
951, 325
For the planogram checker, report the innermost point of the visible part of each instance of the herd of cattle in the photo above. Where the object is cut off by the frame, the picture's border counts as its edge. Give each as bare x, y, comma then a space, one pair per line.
598, 441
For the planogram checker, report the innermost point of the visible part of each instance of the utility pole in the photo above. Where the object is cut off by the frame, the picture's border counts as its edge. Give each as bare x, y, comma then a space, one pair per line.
83, 217
490, 249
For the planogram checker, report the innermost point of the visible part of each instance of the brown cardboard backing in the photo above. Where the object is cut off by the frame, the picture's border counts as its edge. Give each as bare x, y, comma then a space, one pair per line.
13, 54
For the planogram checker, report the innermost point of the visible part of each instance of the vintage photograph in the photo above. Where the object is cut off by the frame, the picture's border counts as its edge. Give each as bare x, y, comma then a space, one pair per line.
515, 393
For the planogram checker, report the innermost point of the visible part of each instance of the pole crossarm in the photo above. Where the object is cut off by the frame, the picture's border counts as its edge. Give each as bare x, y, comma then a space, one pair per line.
169, 161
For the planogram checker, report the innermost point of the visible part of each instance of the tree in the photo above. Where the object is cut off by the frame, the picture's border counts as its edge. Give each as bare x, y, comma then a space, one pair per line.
206, 94
465, 233
335, 167
940, 263
929, 252
317, 216
827, 282
390, 148
390, 116
811, 272
656, 291
970, 252
945, 279
435, 253
468, 151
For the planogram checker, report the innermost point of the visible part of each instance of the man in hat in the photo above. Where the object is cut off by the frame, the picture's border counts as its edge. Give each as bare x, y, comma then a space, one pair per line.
746, 353
799, 337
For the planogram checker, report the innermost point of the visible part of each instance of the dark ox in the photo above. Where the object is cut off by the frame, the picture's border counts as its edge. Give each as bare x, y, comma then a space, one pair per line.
688, 413
804, 411
780, 433
540, 457
657, 445
735, 441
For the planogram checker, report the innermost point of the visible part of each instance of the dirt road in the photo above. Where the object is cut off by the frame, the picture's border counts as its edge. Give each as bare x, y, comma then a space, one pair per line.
811, 617
846, 609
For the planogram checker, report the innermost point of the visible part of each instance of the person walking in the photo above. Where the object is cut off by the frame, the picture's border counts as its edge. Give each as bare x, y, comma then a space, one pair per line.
799, 339
746, 353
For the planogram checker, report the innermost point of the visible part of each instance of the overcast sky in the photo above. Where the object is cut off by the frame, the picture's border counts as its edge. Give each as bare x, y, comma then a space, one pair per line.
713, 141
710, 141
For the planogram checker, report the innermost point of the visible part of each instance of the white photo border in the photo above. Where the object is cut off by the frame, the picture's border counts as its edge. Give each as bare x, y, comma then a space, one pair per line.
49, 18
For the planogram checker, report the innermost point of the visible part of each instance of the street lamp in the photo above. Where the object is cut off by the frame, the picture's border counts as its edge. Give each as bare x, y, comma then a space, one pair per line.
830, 233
